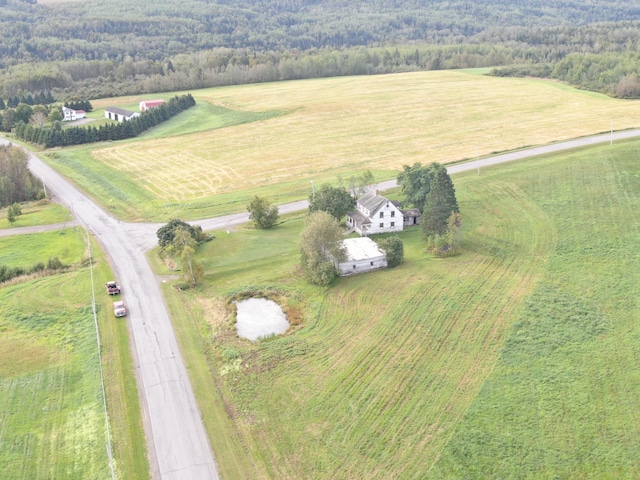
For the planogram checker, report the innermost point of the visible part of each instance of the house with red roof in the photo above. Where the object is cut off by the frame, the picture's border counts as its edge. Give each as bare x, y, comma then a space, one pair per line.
147, 104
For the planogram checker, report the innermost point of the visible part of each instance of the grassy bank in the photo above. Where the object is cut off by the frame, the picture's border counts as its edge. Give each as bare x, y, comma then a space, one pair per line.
516, 359
51, 401
273, 139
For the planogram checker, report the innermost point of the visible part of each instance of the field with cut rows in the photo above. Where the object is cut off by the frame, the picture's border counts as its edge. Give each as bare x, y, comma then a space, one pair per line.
52, 419
274, 139
516, 359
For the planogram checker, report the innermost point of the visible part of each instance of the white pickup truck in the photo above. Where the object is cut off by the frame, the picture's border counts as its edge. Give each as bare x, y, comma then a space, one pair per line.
119, 309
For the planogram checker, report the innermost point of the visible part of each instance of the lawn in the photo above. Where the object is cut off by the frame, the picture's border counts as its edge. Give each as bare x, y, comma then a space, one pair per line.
516, 359
36, 213
51, 396
273, 139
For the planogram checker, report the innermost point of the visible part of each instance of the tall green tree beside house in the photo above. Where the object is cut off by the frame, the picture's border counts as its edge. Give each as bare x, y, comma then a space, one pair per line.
440, 203
415, 181
394, 248
336, 201
320, 242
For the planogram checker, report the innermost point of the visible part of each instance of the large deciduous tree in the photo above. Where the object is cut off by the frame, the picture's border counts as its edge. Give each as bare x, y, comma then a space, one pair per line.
415, 181
184, 247
320, 243
167, 232
336, 201
262, 213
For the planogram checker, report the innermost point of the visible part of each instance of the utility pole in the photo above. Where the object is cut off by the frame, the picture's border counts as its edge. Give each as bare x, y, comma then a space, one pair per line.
611, 137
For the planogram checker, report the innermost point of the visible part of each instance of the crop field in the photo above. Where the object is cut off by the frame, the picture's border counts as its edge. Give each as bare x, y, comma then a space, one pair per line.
273, 139
516, 359
52, 420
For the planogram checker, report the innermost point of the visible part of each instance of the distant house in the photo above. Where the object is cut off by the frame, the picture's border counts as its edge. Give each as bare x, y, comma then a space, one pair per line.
363, 255
375, 214
119, 114
70, 115
147, 104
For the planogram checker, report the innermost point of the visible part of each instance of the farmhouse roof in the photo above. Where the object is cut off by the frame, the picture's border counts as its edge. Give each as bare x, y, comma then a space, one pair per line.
359, 219
362, 248
152, 103
372, 201
119, 111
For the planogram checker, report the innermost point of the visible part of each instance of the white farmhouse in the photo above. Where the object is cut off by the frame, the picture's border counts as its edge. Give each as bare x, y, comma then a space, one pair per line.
70, 115
362, 255
375, 214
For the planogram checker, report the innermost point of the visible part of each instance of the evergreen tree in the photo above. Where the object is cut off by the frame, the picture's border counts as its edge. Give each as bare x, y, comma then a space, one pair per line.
2, 105
440, 203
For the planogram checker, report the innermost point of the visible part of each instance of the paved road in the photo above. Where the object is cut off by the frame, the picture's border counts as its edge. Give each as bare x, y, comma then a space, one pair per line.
177, 441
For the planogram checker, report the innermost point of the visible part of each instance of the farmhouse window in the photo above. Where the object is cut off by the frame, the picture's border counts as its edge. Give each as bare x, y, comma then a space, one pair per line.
381, 225
393, 213
381, 214
354, 267
393, 224
371, 264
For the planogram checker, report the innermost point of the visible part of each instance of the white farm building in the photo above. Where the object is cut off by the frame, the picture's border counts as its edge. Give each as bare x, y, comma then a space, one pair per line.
375, 214
119, 114
362, 255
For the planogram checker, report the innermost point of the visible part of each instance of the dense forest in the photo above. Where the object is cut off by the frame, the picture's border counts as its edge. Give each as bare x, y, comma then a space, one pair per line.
97, 49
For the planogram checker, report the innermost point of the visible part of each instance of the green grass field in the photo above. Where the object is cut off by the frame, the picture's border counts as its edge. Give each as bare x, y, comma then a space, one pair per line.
516, 359
36, 213
273, 139
51, 403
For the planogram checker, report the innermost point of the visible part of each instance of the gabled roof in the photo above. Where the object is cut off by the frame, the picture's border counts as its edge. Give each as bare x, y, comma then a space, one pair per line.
119, 111
372, 201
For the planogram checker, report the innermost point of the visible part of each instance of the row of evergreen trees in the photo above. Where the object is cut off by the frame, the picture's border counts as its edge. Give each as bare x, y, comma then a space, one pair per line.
40, 98
58, 137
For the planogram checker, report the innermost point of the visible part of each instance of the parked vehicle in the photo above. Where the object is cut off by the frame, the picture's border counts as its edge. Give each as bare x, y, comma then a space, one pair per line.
119, 309
112, 287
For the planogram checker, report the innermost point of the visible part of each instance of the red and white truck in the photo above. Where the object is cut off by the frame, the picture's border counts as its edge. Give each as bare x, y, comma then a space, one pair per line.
112, 287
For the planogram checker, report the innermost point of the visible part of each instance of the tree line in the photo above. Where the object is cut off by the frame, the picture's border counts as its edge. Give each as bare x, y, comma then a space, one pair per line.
99, 50
17, 183
56, 136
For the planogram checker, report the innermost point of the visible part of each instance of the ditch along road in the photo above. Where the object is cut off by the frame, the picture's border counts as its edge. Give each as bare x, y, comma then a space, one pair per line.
177, 442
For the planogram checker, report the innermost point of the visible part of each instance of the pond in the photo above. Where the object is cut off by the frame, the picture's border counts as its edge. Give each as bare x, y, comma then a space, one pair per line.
259, 317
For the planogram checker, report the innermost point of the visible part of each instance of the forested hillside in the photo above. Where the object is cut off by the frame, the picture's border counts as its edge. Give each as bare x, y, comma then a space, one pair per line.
98, 49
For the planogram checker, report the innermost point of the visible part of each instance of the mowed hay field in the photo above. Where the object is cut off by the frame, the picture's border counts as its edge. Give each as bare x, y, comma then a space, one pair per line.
52, 419
295, 132
517, 359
